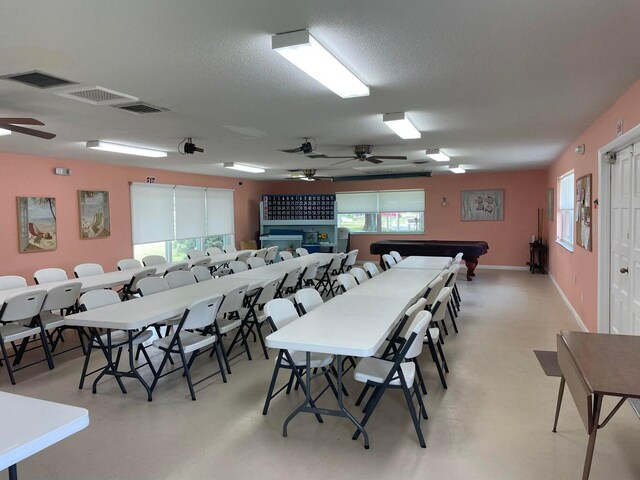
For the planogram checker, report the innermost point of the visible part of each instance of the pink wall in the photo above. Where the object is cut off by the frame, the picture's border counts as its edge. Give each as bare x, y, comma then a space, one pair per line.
32, 176
508, 240
577, 272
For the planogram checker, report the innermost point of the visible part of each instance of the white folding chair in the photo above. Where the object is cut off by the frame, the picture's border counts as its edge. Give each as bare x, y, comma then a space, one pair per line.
177, 266
352, 256
243, 257
290, 282
308, 275
237, 266
211, 251
371, 269
255, 262
307, 299
150, 285
47, 275
88, 269
62, 299
194, 253
285, 255
8, 282
396, 256
228, 319
301, 252
347, 282
199, 316
433, 337
153, 260
202, 274
131, 288
388, 261
272, 252
328, 276
202, 262
180, 278
129, 264
229, 248
16, 311
262, 253
359, 274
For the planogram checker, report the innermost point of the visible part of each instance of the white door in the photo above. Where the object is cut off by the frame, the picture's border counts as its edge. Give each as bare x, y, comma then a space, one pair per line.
624, 274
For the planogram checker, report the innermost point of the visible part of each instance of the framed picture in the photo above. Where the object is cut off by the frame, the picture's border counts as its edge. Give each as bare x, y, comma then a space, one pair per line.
94, 214
550, 204
482, 205
37, 224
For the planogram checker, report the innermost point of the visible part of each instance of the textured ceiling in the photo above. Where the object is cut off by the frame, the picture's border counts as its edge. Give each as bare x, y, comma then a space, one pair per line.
497, 84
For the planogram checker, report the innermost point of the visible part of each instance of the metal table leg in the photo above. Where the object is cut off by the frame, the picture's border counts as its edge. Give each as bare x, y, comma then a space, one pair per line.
597, 406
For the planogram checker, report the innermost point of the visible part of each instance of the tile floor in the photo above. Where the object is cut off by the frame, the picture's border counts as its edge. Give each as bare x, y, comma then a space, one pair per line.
494, 422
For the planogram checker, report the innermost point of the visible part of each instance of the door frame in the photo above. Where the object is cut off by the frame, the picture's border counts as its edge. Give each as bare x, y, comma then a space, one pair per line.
604, 222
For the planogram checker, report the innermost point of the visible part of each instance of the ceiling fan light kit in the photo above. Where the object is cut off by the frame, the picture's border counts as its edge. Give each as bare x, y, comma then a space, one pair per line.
306, 53
126, 149
401, 125
456, 169
243, 168
437, 155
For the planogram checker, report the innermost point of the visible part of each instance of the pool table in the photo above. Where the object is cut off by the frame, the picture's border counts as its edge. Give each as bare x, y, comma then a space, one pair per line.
471, 250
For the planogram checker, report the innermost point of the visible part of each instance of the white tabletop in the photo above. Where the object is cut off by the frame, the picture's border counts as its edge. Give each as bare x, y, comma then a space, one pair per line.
222, 258
424, 262
346, 325
30, 425
405, 283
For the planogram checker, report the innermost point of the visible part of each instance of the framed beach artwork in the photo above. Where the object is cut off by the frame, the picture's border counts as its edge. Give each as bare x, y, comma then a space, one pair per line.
37, 224
480, 205
95, 221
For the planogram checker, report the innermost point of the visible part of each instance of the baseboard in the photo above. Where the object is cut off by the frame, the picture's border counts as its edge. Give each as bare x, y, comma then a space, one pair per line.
576, 317
499, 267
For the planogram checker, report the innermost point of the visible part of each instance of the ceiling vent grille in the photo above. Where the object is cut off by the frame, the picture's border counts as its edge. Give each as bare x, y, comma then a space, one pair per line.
96, 95
141, 108
38, 79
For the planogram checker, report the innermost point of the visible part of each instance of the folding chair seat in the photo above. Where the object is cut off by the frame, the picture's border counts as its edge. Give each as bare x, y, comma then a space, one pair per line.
188, 339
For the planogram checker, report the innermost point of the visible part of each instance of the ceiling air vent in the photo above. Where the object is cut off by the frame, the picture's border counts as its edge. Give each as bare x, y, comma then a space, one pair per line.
141, 108
96, 96
38, 79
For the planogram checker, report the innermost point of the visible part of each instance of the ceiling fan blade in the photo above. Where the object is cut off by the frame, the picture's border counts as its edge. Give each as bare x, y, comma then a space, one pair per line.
344, 161
391, 157
28, 131
292, 150
373, 160
21, 121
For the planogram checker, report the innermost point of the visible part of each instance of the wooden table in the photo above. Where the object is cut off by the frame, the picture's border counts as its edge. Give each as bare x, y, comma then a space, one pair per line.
30, 425
594, 365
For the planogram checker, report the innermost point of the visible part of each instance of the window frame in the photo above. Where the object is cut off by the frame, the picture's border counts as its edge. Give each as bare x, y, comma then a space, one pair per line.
561, 213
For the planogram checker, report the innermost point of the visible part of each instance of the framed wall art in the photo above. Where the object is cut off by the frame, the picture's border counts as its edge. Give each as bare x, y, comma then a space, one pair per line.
95, 221
482, 205
583, 212
37, 224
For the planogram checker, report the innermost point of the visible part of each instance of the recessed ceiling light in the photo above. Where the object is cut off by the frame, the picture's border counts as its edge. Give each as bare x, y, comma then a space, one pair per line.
244, 168
306, 53
401, 125
457, 169
437, 155
126, 149
4, 131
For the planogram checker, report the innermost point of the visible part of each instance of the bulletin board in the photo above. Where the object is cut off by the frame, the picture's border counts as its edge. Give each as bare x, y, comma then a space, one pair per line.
583, 212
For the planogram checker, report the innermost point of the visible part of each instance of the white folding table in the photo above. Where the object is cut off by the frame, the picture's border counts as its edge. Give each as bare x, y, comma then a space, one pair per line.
407, 283
222, 258
438, 263
30, 425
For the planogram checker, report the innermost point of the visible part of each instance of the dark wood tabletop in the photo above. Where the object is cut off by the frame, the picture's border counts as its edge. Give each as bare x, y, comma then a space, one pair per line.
610, 364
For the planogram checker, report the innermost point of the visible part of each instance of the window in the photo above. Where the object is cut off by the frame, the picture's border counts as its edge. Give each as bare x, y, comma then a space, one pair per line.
387, 211
170, 220
566, 198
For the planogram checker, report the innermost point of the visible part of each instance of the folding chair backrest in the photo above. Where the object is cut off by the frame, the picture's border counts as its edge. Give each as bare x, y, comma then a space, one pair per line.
98, 298
214, 251
458, 257
452, 275
347, 282
359, 274
195, 253
243, 256
12, 281
22, 306
352, 256
291, 278
153, 260
62, 296
285, 255
310, 271
46, 275
237, 266
372, 269
262, 253
307, 299
388, 261
269, 290
133, 283
229, 248
201, 262
301, 252
177, 267
256, 262
233, 299
87, 269
281, 312
336, 263
439, 307
151, 285
202, 313
129, 264
396, 256
434, 288
418, 327
180, 278
410, 314
201, 273
272, 252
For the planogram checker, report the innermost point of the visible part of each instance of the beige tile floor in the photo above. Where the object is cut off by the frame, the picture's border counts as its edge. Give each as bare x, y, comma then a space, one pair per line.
494, 421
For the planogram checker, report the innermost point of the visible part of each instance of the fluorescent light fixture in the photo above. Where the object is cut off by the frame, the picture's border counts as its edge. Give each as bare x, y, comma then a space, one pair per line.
401, 125
243, 168
437, 155
307, 179
4, 131
126, 149
306, 53
456, 169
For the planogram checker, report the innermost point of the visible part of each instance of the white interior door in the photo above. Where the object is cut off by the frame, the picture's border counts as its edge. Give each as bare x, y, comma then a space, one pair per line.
634, 268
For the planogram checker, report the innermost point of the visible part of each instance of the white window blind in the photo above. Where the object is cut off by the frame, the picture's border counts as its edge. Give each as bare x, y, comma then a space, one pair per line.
190, 212
151, 212
565, 218
219, 212
357, 202
402, 201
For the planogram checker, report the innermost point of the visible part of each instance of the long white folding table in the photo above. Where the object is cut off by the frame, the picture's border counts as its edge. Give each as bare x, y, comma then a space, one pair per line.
275, 270
419, 262
222, 258
142, 312
406, 283
31, 425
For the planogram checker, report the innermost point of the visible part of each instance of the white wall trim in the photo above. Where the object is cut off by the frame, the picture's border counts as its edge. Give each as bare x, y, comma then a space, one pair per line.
498, 267
576, 317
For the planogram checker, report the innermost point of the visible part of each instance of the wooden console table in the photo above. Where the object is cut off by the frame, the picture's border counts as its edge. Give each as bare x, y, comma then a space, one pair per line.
537, 257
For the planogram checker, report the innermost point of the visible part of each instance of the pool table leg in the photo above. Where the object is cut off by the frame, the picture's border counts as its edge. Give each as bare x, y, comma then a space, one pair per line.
472, 263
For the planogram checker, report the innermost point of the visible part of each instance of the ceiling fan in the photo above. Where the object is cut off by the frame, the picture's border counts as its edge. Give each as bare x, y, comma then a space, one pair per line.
307, 147
13, 125
362, 153
308, 175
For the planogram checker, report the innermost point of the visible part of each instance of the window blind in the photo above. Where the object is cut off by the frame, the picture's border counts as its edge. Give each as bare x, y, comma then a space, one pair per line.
357, 202
151, 213
402, 201
219, 212
190, 212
